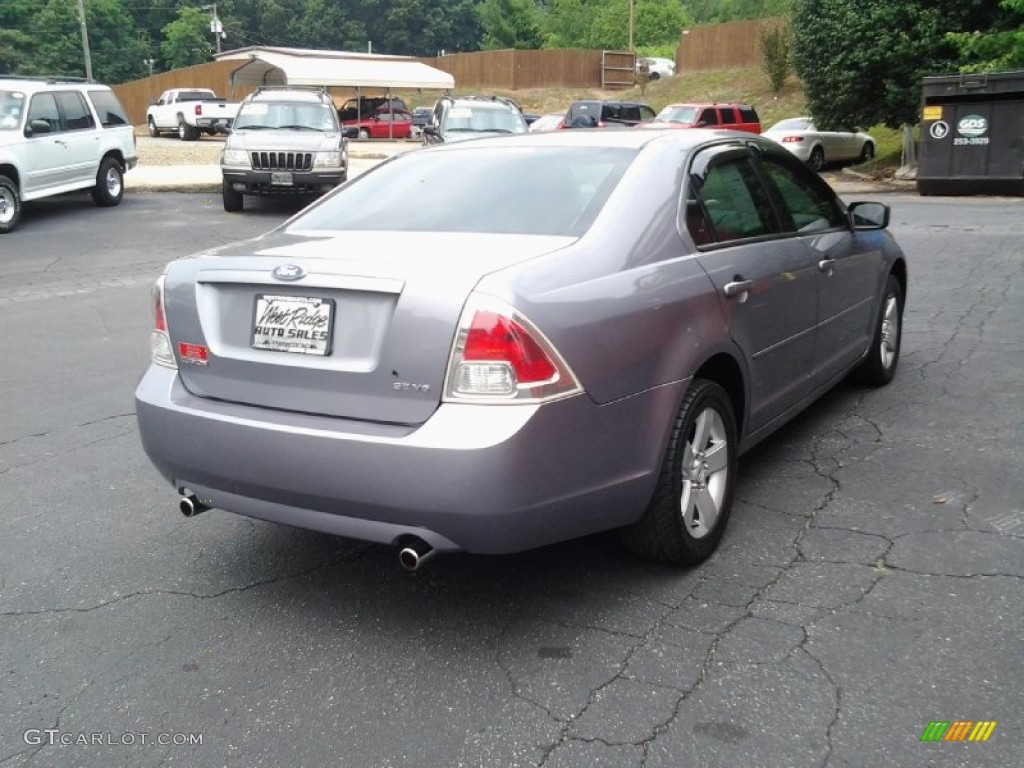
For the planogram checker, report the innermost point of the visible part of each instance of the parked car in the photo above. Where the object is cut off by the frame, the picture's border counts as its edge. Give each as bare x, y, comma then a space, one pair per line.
365, 106
285, 141
723, 116
60, 135
528, 117
818, 148
384, 124
459, 119
420, 117
438, 358
549, 122
590, 113
190, 112
656, 67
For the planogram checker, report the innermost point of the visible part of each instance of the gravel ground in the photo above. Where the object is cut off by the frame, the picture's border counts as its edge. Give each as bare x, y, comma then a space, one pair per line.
173, 151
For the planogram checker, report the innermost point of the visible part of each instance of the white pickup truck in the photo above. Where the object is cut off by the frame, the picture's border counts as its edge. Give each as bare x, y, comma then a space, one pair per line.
189, 112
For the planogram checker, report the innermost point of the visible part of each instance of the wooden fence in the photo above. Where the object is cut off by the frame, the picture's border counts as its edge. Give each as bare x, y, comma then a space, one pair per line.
733, 45
137, 94
515, 70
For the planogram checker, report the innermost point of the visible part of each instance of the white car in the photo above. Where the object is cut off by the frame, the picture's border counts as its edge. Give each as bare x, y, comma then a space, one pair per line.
657, 68
60, 135
818, 148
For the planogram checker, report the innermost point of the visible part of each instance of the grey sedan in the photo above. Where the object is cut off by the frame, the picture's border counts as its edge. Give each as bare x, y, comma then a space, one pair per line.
495, 345
818, 148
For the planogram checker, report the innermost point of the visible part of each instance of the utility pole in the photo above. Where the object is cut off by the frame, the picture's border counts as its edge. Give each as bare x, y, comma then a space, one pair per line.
632, 6
85, 39
215, 26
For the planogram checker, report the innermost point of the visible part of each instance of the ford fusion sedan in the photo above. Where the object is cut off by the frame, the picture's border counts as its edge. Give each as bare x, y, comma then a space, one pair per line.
492, 346
819, 148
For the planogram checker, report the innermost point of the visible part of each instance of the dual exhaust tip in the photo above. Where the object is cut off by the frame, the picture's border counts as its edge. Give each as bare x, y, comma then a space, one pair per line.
414, 554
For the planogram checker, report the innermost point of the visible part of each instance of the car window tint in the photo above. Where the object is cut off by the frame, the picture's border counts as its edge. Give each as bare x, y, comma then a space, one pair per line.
108, 108
646, 113
728, 115
708, 117
748, 115
727, 203
76, 114
809, 206
529, 191
44, 107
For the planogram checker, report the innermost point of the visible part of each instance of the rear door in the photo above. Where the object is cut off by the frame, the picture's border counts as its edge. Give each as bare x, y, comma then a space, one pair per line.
766, 279
81, 137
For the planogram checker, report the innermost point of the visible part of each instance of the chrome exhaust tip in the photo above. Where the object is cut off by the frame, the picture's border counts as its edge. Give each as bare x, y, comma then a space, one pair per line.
416, 554
190, 506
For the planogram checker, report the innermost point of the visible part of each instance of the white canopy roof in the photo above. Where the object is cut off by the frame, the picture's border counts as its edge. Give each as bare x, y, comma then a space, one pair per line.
301, 66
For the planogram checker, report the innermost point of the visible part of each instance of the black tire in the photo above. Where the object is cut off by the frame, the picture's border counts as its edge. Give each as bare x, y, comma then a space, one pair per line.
363, 134
109, 187
817, 159
10, 205
654, 76
867, 152
153, 130
186, 132
233, 199
693, 497
879, 366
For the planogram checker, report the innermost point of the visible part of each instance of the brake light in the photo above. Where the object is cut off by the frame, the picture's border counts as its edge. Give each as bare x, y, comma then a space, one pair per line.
499, 356
791, 139
199, 109
600, 124
160, 350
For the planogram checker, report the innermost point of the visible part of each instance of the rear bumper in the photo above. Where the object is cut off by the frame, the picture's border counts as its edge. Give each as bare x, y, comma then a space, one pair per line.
486, 479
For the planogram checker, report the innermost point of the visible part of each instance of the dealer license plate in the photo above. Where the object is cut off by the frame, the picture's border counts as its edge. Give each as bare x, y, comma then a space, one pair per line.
281, 179
300, 324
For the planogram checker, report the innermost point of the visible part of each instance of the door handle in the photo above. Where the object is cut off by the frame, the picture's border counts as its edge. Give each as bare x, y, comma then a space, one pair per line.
825, 265
737, 288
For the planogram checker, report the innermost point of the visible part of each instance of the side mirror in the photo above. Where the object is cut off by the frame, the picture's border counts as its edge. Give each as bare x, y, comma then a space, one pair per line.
866, 215
37, 126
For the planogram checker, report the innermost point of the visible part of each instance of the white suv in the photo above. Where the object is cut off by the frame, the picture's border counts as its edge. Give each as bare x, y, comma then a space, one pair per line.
60, 135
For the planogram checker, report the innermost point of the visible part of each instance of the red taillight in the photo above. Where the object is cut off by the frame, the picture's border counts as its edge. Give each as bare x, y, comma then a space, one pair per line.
159, 318
159, 340
791, 139
600, 124
492, 338
193, 353
500, 357
199, 109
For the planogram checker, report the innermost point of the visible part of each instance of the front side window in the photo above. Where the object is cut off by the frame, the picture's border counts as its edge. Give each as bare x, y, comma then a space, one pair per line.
726, 201
806, 203
44, 107
524, 191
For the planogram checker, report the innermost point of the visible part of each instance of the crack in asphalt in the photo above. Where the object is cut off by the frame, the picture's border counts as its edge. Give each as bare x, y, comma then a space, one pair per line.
344, 560
66, 451
68, 428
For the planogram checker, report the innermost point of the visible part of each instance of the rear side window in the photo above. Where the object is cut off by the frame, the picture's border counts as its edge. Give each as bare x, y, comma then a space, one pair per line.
708, 117
646, 113
76, 114
524, 191
109, 109
748, 115
728, 115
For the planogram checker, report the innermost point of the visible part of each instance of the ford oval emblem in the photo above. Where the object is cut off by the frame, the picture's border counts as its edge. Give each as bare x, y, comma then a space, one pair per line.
289, 272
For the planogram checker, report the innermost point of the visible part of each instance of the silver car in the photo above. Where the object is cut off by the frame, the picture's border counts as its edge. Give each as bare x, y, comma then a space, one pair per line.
819, 148
491, 346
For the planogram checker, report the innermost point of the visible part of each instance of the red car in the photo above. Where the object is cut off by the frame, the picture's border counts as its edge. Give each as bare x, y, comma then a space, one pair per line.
731, 115
385, 124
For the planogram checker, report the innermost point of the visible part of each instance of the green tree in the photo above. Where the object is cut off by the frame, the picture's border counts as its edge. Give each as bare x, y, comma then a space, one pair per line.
1002, 47
187, 40
509, 24
776, 55
862, 63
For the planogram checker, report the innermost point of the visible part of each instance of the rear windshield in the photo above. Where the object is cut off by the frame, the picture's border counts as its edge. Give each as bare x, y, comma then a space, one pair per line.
684, 115
196, 95
509, 190
108, 108
793, 124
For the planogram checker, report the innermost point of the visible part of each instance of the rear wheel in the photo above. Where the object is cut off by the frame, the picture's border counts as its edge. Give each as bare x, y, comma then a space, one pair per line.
363, 133
10, 205
817, 159
186, 132
867, 152
693, 497
879, 366
233, 199
109, 187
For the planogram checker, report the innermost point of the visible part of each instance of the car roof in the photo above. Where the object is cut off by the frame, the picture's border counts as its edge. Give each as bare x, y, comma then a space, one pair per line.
33, 84
709, 104
626, 139
316, 97
484, 104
